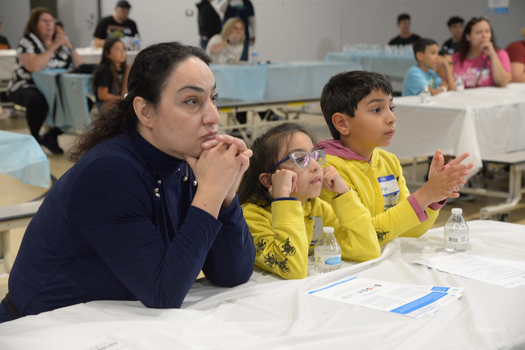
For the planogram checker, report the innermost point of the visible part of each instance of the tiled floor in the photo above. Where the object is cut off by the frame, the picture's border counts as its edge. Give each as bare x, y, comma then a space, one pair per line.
13, 191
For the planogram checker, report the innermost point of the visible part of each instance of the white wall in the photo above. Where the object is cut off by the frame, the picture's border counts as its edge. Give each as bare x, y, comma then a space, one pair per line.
375, 20
296, 29
308, 29
80, 19
14, 14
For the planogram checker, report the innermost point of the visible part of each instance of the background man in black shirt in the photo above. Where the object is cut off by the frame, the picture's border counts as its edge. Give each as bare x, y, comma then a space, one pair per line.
117, 25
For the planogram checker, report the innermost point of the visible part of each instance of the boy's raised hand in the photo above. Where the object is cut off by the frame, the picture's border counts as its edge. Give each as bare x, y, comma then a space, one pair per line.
437, 164
459, 160
333, 182
443, 180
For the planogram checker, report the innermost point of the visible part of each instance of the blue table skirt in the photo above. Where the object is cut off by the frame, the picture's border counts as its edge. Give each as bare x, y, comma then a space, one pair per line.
66, 96
291, 81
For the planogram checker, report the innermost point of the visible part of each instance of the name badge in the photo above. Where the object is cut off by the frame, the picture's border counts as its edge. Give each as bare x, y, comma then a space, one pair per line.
388, 185
390, 190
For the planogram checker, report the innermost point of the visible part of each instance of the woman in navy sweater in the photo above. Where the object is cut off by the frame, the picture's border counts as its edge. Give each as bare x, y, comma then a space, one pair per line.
149, 204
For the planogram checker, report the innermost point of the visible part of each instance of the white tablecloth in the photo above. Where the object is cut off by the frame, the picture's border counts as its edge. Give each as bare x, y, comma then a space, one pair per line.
7, 62
93, 55
271, 313
483, 121
22, 157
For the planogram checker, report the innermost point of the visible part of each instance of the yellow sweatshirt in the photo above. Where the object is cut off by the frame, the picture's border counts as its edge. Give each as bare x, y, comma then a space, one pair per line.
286, 233
382, 189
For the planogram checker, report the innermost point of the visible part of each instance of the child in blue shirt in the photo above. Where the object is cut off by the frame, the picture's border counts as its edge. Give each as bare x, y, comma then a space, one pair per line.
426, 52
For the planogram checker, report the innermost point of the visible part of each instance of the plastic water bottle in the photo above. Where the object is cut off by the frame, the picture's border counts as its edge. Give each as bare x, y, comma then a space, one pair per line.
424, 95
456, 232
460, 86
136, 42
254, 56
327, 252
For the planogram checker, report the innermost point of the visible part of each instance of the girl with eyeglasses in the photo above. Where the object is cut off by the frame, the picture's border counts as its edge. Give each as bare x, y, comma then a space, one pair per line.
279, 195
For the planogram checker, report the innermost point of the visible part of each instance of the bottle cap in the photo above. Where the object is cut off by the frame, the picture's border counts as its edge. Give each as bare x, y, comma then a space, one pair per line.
328, 229
457, 211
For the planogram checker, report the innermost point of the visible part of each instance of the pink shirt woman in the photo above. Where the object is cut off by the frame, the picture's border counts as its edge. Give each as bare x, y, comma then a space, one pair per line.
479, 62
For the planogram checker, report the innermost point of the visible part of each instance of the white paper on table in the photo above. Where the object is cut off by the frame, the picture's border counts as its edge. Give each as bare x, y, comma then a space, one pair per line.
408, 300
108, 345
506, 273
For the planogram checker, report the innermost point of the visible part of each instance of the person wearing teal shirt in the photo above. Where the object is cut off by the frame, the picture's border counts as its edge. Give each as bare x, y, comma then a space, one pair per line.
426, 52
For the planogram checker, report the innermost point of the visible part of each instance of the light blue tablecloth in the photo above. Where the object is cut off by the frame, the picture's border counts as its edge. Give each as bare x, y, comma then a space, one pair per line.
22, 157
240, 82
276, 81
299, 80
74, 89
66, 96
291, 81
393, 66
46, 83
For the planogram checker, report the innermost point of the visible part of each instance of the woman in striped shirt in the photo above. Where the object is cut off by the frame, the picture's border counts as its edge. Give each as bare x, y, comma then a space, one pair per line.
41, 47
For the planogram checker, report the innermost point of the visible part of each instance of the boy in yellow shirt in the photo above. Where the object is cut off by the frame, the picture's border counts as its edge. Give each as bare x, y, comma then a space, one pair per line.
358, 109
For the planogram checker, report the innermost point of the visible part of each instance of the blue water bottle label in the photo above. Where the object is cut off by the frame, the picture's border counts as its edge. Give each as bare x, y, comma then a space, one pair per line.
336, 260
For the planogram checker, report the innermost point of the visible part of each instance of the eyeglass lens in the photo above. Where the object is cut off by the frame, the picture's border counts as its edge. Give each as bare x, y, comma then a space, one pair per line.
302, 159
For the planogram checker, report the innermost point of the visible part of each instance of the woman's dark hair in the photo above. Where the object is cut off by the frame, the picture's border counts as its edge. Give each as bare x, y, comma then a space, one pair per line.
33, 19
266, 149
148, 76
464, 45
105, 61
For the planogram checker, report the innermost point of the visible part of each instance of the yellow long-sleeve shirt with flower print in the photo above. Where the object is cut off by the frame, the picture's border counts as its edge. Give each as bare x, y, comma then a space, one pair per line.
391, 215
285, 233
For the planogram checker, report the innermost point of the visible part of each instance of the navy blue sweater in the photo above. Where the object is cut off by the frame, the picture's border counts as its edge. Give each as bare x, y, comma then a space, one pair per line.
119, 225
